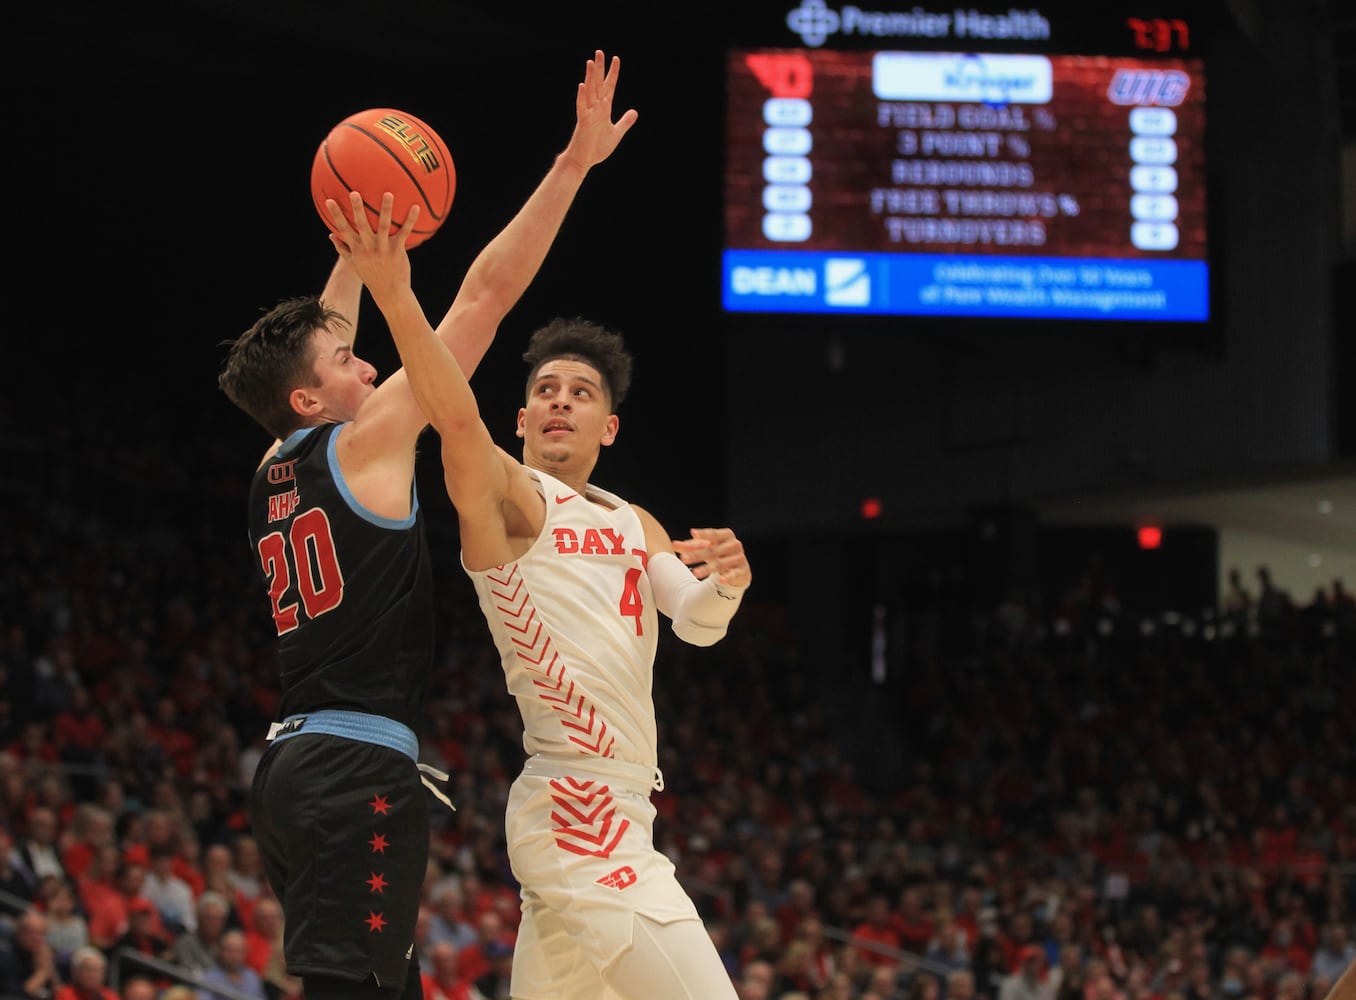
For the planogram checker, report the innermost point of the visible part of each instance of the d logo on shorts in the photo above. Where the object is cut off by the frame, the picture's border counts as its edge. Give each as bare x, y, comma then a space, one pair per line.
620, 879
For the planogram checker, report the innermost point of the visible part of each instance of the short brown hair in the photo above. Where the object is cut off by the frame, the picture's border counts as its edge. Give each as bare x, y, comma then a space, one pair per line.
273, 357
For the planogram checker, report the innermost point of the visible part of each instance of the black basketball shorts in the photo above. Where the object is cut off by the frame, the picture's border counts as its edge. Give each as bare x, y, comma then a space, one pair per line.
343, 830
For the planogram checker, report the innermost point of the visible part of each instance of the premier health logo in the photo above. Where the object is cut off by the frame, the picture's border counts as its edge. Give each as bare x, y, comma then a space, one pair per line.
847, 282
814, 22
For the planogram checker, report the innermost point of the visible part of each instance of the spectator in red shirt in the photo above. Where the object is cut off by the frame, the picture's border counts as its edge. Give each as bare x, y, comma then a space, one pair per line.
110, 915
475, 960
1014, 937
913, 924
33, 743
167, 730
1284, 949
97, 889
92, 829
799, 904
78, 732
89, 971
187, 861
444, 979
265, 936
878, 928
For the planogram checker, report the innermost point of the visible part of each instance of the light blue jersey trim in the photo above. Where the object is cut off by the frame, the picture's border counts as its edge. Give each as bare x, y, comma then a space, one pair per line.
293, 442
392, 523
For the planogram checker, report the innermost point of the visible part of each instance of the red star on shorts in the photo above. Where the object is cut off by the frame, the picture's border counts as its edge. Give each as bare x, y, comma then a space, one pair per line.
377, 882
378, 843
375, 922
379, 805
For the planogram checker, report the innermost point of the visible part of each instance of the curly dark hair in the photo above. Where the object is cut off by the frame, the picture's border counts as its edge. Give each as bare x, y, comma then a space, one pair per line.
587, 342
273, 357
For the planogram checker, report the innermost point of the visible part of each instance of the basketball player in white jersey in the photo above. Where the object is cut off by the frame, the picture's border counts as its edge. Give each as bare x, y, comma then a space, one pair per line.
570, 578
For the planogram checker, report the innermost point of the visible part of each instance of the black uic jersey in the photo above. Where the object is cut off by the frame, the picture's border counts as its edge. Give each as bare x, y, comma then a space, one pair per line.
351, 592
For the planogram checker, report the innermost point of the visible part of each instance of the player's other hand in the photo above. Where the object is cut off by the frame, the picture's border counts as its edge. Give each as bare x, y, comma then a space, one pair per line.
718, 551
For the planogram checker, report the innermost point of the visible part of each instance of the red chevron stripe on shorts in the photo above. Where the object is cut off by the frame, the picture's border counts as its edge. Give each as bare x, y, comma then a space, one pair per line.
585, 816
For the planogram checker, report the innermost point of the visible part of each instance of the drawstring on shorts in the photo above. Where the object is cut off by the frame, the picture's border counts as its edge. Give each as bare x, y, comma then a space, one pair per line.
365, 728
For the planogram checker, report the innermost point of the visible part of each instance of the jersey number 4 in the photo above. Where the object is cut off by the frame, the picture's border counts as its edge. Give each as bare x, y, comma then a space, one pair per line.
305, 555
632, 605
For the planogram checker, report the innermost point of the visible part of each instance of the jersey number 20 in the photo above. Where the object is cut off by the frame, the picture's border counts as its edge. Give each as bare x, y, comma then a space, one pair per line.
309, 547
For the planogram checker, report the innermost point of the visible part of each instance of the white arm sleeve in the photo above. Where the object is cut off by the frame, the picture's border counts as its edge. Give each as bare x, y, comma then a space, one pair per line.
701, 609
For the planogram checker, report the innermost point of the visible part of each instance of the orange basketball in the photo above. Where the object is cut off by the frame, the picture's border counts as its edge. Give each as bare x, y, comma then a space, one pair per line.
382, 150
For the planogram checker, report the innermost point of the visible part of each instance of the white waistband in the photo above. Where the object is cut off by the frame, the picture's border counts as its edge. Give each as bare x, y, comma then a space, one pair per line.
632, 777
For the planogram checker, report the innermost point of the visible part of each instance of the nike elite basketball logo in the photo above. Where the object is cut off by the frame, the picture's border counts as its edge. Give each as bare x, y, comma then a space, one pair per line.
620, 879
561, 499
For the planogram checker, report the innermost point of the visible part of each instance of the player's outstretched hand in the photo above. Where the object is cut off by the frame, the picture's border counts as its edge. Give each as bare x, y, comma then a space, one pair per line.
381, 261
715, 550
596, 135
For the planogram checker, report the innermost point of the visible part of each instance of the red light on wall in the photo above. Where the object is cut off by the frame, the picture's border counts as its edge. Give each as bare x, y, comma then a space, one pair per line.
870, 508
1150, 536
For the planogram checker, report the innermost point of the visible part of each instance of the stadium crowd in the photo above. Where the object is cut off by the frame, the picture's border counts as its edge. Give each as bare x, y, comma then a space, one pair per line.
1072, 806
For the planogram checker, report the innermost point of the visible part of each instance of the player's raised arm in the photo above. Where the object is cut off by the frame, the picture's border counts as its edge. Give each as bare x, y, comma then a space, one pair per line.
382, 262
436, 380
343, 293
503, 270
390, 422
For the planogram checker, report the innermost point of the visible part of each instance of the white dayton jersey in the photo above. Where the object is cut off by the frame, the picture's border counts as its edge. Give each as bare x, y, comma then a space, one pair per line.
575, 624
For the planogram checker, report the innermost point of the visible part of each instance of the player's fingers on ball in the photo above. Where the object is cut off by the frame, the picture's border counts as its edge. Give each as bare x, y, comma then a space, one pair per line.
359, 213
411, 217
336, 213
387, 209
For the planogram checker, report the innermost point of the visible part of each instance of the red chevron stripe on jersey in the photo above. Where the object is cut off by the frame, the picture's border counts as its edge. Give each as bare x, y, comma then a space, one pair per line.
585, 815
534, 650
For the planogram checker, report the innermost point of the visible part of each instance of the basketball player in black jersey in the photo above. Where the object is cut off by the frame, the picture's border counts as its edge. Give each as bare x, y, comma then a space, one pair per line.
337, 803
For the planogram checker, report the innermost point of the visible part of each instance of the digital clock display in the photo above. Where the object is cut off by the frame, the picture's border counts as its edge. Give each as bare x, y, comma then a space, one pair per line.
1160, 34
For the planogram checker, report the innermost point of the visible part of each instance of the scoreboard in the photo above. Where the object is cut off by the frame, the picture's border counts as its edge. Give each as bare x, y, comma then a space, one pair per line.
1014, 176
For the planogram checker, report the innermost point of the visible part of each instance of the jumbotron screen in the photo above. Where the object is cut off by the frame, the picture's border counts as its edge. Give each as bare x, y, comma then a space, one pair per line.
965, 184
